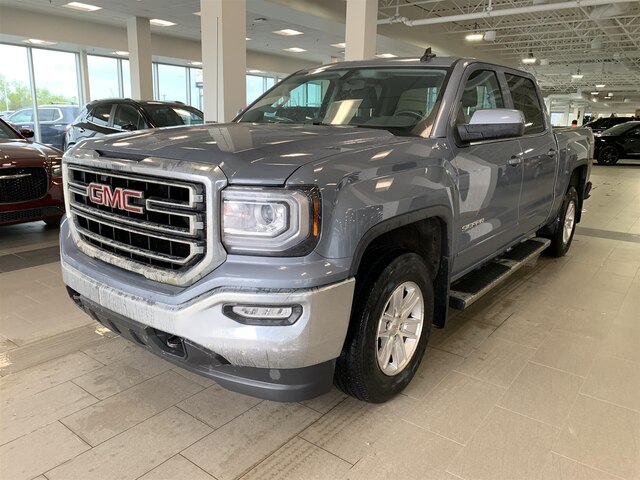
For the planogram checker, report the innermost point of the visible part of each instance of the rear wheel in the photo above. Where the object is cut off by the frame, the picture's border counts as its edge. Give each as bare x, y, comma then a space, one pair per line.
608, 156
389, 330
565, 224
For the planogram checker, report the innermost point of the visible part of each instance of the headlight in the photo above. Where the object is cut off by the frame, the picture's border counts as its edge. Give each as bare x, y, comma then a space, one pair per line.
56, 168
270, 221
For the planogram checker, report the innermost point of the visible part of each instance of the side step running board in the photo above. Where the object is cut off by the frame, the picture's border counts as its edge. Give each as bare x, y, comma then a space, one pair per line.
474, 285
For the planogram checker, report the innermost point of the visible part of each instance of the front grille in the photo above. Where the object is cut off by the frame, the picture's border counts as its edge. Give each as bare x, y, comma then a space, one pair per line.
22, 184
149, 221
32, 213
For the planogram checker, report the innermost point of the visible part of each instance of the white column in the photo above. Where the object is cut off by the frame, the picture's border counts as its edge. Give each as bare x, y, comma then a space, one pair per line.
224, 58
139, 39
85, 92
361, 29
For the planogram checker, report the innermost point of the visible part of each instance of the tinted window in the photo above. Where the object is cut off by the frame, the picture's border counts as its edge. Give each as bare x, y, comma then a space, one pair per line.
481, 92
167, 115
49, 114
634, 133
619, 129
100, 114
127, 115
525, 98
6, 132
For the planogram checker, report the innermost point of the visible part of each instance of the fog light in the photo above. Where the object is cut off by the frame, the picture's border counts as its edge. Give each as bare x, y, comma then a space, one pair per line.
263, 314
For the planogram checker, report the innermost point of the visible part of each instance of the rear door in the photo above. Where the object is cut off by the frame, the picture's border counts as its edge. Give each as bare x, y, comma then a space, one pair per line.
631, 142
539, 156
489, 175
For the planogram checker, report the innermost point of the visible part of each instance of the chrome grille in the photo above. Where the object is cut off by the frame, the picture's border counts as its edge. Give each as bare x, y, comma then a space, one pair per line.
164, 228
23, 184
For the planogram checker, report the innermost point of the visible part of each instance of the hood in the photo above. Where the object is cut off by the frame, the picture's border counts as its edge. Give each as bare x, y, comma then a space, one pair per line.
16, 150
246, 153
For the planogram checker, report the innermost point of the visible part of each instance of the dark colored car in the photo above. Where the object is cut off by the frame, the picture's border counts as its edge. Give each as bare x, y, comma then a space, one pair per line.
601, 124
30, 179
104, 117
53, 121
618, 142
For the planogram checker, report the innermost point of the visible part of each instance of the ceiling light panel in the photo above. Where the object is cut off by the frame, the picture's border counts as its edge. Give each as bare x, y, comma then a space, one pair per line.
474, 37
161, 23
339, 45
83, 7
288, 32
294, 49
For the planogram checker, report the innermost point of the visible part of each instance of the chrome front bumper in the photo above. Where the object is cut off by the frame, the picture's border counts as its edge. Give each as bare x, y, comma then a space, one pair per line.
316, 337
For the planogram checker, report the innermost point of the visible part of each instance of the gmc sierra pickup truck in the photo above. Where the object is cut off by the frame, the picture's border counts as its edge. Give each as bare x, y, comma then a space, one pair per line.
319, 236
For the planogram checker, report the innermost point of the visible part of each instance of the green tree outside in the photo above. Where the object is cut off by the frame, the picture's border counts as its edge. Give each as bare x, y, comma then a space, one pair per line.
15, 95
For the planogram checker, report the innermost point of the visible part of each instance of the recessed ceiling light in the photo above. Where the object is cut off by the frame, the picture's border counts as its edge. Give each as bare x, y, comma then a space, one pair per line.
601, 85
595, 93
529, 60
288, 32
386, 55
198, 13
577, 76
610, 94
197, 64
37, 41
83, 7
247, 39
121, 52
294, 49
256, 71
161, 23
339, 45
474, 37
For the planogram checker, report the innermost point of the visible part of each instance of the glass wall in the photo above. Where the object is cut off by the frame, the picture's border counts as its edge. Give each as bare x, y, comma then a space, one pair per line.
126, 78
104, 79
15, 87
257, 85
195, 87
172, 83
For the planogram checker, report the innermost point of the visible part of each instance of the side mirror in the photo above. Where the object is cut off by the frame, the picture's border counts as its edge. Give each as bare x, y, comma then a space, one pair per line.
492, 124
27, 133
129, 127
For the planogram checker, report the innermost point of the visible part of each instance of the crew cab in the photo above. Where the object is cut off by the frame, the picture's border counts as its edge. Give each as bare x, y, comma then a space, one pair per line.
319, 236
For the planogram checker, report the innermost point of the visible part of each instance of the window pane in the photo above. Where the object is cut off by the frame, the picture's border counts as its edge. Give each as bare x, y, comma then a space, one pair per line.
196, 87
172, 83
129, 117
56, 79
126, 79
525, 98
168, 116
15, 90
481, 92
255, 87
103, 77
100, 114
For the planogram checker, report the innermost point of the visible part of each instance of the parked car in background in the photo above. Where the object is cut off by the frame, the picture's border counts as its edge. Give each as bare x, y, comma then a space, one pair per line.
53, 121
30, 179
618, 142
6, 113
104, 117
601, 124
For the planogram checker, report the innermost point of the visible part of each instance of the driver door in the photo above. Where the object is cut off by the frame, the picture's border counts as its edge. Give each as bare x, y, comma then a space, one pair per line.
489, 176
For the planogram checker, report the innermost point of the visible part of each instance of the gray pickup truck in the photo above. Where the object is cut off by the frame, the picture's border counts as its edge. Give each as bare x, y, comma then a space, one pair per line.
316, 239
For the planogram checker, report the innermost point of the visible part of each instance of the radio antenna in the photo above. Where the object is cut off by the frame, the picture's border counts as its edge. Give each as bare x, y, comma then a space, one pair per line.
427, 55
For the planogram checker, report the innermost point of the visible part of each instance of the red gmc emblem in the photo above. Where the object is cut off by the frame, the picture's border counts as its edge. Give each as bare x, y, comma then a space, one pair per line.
115, 198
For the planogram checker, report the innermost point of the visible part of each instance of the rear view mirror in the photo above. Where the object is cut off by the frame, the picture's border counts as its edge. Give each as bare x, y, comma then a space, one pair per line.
492, 124
27, 132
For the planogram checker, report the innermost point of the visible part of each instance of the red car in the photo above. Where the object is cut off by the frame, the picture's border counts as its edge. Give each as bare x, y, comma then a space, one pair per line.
30, 179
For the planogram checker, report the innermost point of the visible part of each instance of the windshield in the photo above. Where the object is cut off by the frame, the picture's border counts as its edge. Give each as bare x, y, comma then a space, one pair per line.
7, 132
171, 115
619, 129
396, 99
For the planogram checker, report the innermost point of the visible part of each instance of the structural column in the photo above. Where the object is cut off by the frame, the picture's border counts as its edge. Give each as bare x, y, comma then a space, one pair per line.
139, 39
361, 29
224, 58
84, 79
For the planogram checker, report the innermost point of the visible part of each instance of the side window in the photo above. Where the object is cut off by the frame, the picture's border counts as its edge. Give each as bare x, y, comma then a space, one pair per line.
481, 92
634, 133
25, 115
47, 114
100, 114
525, 98
127, 115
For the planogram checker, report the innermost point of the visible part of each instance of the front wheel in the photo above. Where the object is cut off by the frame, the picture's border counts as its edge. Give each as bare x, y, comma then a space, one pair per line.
389, 330
565, 225
608, 156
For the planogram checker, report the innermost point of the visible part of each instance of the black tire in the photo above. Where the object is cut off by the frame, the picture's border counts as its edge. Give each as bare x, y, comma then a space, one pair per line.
358, 372
608, 156
559, 242
53, 222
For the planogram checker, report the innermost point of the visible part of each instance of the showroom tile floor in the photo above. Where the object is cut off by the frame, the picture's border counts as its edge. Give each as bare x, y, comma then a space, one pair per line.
539, 381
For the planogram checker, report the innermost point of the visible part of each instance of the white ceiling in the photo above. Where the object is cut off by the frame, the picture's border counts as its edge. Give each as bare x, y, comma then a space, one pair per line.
603, 42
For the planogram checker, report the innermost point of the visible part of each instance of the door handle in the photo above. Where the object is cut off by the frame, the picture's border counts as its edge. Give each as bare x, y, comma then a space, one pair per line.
515, 160
551, 153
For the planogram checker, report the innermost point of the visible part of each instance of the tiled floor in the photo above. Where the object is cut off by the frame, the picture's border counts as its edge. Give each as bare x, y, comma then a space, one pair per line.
541, 380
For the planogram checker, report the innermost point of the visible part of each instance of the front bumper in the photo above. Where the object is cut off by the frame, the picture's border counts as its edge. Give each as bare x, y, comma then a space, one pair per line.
277, 362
